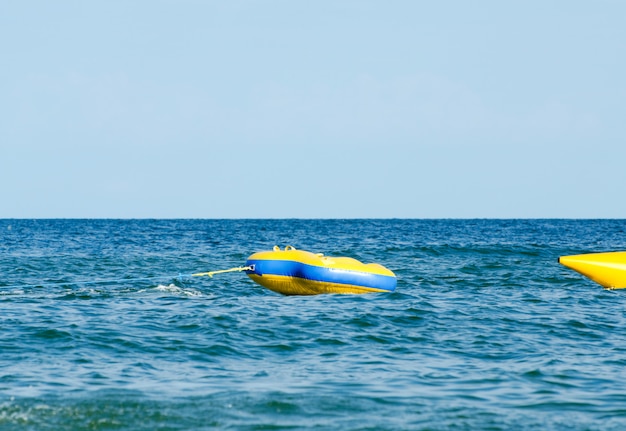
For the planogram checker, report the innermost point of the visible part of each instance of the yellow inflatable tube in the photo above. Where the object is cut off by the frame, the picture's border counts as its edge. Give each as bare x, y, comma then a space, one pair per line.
298, 272
606, 269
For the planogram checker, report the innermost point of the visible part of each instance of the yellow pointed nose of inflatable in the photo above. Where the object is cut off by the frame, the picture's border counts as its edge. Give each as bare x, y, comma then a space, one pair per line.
606, 269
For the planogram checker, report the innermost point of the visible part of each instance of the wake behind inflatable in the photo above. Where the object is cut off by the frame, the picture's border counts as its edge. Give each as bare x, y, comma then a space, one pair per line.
298, 272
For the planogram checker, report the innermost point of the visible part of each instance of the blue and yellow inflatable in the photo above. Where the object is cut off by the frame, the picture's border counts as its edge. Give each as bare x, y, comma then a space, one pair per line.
298, 272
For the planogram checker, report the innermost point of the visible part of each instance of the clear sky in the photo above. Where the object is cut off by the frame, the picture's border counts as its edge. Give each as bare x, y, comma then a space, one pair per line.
312, 109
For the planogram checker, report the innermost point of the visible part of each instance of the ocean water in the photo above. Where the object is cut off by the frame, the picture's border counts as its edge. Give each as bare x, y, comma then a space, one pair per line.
486, 331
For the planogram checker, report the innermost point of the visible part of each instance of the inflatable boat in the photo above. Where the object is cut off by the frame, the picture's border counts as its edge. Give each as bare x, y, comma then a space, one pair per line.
298, 272
606, 269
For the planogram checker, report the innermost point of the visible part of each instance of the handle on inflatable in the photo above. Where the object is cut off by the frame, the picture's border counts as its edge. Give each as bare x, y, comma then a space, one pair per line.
287, 248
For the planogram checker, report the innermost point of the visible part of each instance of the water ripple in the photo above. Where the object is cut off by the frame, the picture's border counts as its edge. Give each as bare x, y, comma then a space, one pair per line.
485, 331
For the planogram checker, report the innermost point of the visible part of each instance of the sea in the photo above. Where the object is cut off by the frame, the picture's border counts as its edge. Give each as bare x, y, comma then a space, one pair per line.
102, 327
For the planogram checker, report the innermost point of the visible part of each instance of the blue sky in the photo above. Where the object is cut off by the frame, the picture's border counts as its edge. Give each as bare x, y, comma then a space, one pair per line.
325, 109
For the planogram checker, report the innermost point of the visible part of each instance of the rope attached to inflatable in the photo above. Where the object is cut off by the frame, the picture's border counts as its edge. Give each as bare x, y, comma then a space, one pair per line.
222, 271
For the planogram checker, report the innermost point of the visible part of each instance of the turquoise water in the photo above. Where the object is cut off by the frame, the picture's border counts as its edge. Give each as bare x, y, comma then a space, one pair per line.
485, 331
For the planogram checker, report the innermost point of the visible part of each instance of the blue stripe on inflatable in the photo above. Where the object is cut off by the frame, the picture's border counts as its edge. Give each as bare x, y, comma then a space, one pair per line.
290, 268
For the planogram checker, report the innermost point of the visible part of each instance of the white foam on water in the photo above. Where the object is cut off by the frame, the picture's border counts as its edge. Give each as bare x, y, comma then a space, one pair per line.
172, 288
14, 292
